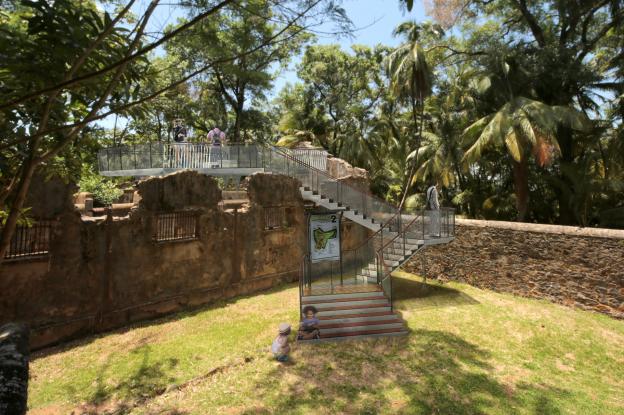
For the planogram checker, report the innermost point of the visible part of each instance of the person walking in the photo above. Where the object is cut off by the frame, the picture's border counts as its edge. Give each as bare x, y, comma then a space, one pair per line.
433, 207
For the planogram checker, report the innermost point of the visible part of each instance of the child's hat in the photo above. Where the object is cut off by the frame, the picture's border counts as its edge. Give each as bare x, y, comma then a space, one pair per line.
284, 328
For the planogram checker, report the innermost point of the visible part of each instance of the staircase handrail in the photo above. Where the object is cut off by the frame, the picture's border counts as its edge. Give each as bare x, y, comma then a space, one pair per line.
380, 230
404, 229
326, 174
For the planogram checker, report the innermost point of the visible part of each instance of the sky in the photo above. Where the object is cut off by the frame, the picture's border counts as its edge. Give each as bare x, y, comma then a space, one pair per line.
373, 20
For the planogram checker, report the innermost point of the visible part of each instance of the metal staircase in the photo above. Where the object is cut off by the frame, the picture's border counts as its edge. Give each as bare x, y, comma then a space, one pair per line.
365, 308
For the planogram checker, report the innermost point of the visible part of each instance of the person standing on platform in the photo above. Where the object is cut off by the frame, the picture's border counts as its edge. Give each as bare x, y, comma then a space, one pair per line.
433, 206
216, 138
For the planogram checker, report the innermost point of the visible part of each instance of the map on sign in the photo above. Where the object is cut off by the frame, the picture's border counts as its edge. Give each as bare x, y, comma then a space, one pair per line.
324, 238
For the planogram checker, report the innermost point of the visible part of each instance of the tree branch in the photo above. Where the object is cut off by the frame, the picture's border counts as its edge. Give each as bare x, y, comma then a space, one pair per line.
140, 52
536, 29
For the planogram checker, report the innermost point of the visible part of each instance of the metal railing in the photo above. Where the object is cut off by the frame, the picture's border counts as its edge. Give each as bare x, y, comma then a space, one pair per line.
30, 241
275, 217
175, 226
311, 157
141, 158
322, 183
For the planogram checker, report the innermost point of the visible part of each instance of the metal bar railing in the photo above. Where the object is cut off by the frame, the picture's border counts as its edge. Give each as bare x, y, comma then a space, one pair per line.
195, 156
30, 241
274, 217
175, 226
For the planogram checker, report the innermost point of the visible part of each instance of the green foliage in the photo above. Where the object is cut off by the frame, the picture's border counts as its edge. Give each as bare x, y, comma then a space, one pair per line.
24, 218
104, 190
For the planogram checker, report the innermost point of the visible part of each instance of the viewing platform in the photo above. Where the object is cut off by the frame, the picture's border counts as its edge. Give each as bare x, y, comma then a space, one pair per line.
157, 159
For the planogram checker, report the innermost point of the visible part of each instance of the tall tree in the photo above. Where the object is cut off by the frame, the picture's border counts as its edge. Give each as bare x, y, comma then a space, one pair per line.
338, 98
234, 31
570, 50
411, 80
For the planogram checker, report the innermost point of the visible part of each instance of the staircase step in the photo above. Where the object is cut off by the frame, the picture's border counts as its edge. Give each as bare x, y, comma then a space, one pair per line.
363, 275
364, 332
363, 303
371, 279
408, 247
346, 315
393, 257
390, 317
377, 293
332, 311
356, 337
341, 329
307, 301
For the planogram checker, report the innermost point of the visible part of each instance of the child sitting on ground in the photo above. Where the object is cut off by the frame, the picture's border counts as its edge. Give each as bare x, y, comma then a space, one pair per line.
280, 347
309, 325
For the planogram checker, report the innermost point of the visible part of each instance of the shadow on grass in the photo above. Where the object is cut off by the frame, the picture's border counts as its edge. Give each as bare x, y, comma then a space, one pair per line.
158, 320
147, 381
424, 373
433, 294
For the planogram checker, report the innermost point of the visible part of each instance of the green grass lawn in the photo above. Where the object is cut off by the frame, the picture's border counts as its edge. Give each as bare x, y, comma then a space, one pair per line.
469, 351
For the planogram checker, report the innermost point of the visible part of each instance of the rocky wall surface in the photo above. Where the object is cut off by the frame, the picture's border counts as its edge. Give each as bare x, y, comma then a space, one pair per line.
566, 265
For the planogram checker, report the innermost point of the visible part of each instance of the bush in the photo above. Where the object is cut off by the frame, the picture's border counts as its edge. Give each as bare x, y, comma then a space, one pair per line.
104, 190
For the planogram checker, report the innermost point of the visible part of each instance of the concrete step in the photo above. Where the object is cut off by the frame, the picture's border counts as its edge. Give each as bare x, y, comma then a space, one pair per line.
391, 263
360, 303
369, 278
335, 322
335, 311
352, 336
372, 313
367, 326
365, 333
393, 257
308, 299
339, 300
398, 246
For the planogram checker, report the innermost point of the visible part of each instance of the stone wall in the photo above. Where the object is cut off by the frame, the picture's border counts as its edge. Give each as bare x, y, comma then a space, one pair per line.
346, 173
567, 265
107, 272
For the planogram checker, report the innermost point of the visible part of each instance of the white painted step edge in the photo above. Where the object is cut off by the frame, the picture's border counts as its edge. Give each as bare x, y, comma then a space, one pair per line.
392, 317
363, 303
361, 337
371, 294
353, 311
398, 325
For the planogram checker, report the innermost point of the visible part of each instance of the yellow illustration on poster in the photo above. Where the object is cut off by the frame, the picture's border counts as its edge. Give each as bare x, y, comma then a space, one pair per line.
324, 238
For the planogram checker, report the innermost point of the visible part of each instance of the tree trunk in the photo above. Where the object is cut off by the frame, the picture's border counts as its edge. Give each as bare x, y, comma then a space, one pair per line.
237, 123
521, 185
566, 209
16, 206
418, 140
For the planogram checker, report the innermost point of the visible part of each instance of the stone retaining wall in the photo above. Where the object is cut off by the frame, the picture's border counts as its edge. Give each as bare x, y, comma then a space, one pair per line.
567, 265
104, 273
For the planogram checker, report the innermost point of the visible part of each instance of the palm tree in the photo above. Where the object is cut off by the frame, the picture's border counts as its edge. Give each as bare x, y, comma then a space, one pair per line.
411, 79
523, 126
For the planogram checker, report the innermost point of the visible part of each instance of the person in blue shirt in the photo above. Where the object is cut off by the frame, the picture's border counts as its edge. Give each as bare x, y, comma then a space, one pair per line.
308, 329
